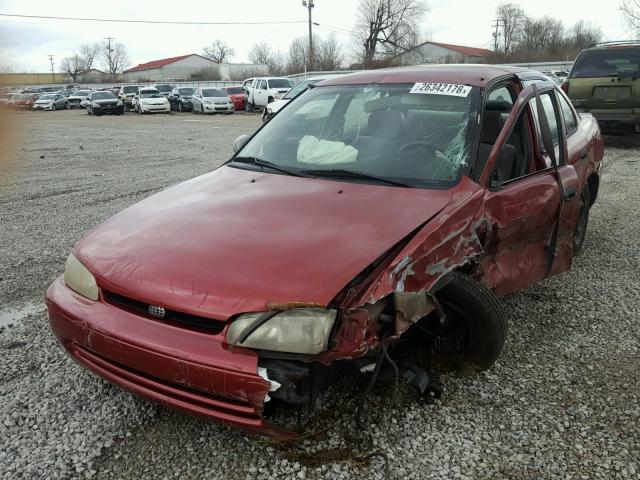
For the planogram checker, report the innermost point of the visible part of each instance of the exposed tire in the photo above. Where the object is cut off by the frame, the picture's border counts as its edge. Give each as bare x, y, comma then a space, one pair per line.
180, 107
582, 221
248, 107
202, 109
53, 107
475, 328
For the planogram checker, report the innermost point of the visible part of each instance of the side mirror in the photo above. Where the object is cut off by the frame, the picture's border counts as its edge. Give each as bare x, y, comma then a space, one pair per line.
239, 142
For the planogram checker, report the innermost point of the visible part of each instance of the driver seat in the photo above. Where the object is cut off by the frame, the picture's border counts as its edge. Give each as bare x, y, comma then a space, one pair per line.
385, 133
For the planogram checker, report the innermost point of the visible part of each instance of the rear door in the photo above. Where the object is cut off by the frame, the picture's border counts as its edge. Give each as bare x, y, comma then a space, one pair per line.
606, 80
524, 199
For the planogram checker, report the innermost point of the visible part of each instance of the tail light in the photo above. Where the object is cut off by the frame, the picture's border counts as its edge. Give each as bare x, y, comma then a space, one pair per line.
565, 87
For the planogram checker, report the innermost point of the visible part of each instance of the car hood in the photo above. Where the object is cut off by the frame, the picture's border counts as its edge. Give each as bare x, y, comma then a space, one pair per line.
235, 240
277, 105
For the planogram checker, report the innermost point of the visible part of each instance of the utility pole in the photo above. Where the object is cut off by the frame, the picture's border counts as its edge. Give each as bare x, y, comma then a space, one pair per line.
53, 74
109, 59
309, 5
496, 33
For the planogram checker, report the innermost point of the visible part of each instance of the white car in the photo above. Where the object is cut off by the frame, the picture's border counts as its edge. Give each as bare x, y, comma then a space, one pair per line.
211, 100
77, 98
150, 100
271, 109
265, 90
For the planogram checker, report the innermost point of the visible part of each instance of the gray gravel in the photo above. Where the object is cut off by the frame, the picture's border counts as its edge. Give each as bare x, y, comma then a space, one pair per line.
562, 402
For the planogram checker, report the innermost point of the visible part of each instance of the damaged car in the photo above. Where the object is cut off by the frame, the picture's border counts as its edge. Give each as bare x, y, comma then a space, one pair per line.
368, 229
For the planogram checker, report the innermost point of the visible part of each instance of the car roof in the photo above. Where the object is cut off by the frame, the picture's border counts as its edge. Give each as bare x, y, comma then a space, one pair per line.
466, 74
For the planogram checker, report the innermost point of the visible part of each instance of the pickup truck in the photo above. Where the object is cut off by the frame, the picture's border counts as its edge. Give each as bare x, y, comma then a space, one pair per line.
264, 90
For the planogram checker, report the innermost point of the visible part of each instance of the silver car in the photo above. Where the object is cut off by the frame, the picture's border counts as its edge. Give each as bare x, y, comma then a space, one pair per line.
211, 100
51, 101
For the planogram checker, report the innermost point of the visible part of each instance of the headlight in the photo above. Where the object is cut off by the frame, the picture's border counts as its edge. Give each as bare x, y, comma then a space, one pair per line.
79, 279
300, 330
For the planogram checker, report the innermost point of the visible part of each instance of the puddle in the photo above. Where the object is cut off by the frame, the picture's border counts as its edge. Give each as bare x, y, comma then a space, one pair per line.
14, 315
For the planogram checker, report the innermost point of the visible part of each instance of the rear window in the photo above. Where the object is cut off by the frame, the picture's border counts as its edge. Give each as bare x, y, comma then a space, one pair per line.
607, 62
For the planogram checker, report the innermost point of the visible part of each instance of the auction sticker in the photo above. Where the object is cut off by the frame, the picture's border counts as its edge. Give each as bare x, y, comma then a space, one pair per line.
441, 89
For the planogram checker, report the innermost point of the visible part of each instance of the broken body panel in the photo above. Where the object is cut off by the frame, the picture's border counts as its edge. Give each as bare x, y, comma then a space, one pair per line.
273, 242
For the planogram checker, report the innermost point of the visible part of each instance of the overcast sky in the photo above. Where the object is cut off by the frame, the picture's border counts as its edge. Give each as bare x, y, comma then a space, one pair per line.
25, 44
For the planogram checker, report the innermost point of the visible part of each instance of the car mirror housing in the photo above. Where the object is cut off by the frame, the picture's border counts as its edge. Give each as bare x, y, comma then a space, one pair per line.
239, 142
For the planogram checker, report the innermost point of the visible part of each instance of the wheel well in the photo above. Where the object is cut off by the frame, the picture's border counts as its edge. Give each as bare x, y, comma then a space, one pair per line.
594, 183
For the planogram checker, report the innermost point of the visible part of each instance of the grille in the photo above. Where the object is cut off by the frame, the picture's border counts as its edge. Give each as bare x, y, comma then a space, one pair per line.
174, 317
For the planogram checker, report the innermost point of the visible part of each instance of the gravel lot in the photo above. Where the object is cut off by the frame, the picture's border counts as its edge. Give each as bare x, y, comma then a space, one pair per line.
563, 401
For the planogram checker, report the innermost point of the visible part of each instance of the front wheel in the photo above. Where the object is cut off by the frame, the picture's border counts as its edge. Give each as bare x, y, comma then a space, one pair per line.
180, 107
248, 107
580, 230
473, 331
53, 107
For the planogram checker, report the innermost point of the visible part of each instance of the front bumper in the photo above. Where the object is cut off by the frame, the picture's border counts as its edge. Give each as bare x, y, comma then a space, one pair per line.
42, 107
108, 110
213, 108
155, 108
177, 367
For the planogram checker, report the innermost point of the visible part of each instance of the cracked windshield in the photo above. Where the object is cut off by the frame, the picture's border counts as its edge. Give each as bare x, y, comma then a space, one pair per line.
391, 132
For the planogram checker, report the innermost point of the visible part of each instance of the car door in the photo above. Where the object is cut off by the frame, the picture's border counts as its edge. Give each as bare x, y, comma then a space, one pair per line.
196, 99
260, 93
530, 199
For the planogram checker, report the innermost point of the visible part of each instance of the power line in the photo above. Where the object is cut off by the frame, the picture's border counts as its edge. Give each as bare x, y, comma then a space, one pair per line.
155, 22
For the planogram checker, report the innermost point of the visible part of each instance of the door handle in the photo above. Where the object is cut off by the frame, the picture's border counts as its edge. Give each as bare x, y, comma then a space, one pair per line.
570, 193
583, 154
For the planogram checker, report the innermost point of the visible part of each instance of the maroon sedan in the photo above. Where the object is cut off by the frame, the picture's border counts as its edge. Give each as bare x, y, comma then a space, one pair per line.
370, 225
237, 95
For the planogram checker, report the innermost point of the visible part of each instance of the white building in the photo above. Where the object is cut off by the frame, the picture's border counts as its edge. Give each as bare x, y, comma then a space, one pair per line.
185, 67
434, 52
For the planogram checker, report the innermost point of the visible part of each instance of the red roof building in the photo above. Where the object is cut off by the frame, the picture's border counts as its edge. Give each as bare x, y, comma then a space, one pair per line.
436, 52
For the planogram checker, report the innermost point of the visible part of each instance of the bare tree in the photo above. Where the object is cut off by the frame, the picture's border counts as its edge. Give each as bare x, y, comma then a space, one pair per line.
584, 34
219, 51
298, 56
328, 54
511, 18
388, 27
260, 53
113, 57
630, 10
89, 52
73, 66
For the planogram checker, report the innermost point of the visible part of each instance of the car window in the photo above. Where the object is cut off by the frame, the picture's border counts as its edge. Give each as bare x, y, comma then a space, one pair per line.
547, 104
213, 92
607, 62
501, 94
279, 83
570, 122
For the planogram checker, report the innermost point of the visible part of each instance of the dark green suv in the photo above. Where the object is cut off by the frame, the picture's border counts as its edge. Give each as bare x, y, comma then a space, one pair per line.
605, 81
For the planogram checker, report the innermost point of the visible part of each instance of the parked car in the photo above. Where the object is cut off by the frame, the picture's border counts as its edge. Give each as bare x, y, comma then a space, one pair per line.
76, 98
237, 96
104, 102
271, 109
150, 100
180, 99
126, 94
605, 81
25, 101
368, 227
211, 100
164, 88
265, 90
51, 101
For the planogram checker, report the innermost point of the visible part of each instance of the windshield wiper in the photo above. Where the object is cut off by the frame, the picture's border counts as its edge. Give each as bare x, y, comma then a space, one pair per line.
346, 174
264, 164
